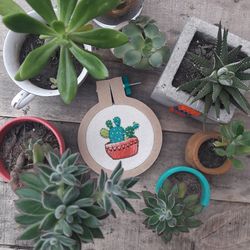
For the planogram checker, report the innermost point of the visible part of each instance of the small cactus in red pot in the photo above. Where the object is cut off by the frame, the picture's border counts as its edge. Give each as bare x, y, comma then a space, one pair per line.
123, 142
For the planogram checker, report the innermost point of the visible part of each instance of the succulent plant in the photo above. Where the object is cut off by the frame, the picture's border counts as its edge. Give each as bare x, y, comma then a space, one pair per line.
117, 133
223, 76
234, 142
59, 210
171, 211
65, 30
146, 47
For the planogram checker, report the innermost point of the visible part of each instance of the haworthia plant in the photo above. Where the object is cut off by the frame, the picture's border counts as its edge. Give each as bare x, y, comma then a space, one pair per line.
234, 142
146, 47
223, 78
59, 210
65, 29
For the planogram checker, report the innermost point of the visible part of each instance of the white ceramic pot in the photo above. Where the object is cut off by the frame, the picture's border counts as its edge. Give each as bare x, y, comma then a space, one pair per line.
11, 50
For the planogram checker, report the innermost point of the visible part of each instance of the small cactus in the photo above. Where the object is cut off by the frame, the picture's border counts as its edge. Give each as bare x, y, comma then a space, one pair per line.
130, 130
116, 133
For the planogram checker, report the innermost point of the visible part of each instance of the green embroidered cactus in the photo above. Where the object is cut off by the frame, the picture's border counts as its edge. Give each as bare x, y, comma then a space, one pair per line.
116, 133
130, 131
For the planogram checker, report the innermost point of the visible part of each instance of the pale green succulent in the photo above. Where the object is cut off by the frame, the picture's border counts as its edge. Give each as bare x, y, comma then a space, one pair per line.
171, 211
59, 210
146, 47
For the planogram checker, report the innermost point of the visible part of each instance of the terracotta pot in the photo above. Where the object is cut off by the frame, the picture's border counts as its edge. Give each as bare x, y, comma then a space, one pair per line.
4, 173
122, 150
192, 150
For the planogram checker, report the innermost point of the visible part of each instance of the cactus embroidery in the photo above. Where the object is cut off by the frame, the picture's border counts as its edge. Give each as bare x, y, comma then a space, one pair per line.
122, 141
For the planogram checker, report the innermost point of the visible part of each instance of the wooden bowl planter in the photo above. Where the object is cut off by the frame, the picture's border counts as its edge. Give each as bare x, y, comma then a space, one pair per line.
206, 193
192, 154
7, 127
129, 9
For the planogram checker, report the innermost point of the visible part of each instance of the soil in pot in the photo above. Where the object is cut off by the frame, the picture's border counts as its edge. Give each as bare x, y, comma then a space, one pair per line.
192, 182
208, 156
45, 78
202, 46
12, 147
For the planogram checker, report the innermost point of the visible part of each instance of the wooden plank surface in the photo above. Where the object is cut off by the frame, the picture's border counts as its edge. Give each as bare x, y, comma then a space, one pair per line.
226, 224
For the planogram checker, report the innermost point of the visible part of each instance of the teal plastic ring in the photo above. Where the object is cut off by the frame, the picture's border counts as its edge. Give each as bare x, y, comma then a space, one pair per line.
206, 193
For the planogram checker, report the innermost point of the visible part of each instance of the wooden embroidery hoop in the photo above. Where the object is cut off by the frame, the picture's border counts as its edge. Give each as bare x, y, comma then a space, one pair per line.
111, 92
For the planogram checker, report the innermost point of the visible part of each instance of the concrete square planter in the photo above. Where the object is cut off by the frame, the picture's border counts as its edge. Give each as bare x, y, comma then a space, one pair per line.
166, 94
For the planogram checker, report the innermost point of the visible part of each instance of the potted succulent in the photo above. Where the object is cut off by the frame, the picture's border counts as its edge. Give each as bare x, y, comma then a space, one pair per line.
177, 202
61, 39
23, 141
207, 73
214, 153
125, 11
122, 141
60, 210
146, 48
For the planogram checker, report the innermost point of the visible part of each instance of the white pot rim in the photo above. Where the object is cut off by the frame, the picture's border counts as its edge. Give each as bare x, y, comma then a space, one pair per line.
11, 50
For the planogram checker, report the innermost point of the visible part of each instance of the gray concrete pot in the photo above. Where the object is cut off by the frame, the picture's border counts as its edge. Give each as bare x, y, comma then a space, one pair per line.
166, 94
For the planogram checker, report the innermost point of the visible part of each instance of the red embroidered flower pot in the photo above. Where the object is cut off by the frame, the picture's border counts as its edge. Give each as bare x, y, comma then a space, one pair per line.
122, 150
4, 173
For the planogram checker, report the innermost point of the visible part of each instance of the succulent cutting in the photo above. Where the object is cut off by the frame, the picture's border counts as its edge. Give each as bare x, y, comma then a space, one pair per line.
66, 29
59, 210
146, 47
223, 77
234, 142
172, 210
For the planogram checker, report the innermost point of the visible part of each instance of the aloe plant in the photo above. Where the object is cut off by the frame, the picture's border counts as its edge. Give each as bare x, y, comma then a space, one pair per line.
146, 47
65, 29
234, 142
222, 79
171, 211
59, 210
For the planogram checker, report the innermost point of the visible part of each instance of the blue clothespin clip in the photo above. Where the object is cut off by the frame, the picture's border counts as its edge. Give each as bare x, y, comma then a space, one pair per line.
127, 85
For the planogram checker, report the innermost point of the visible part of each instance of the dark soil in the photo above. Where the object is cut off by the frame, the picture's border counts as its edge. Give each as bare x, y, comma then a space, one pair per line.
208, 156
193, 184
202, 46
43, 80
109, 20
14, 142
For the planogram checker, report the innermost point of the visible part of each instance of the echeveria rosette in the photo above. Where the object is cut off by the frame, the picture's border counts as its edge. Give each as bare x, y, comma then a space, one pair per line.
234, 142
172, 210
65, 30
146, 47
59, 210
222, 79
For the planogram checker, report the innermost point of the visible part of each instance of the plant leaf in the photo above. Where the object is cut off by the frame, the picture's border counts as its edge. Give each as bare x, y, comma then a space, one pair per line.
65, 9
9, 7
100, 38
30, 206
66, 76
36, 61
30, 232
32, 181
44, 8
93, 64
25, 219
92, 9
28, 193
23, 23
50, 201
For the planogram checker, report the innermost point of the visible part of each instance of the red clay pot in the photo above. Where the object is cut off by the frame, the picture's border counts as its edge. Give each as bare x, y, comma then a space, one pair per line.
122, 150
4, 173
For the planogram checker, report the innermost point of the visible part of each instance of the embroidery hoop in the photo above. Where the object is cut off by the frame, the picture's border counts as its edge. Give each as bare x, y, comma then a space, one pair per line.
111, 92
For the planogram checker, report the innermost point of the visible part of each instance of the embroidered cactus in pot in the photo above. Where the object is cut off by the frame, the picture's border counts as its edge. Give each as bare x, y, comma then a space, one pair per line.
122, 141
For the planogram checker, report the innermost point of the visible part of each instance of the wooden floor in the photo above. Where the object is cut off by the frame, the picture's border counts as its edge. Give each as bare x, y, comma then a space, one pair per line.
227, 221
